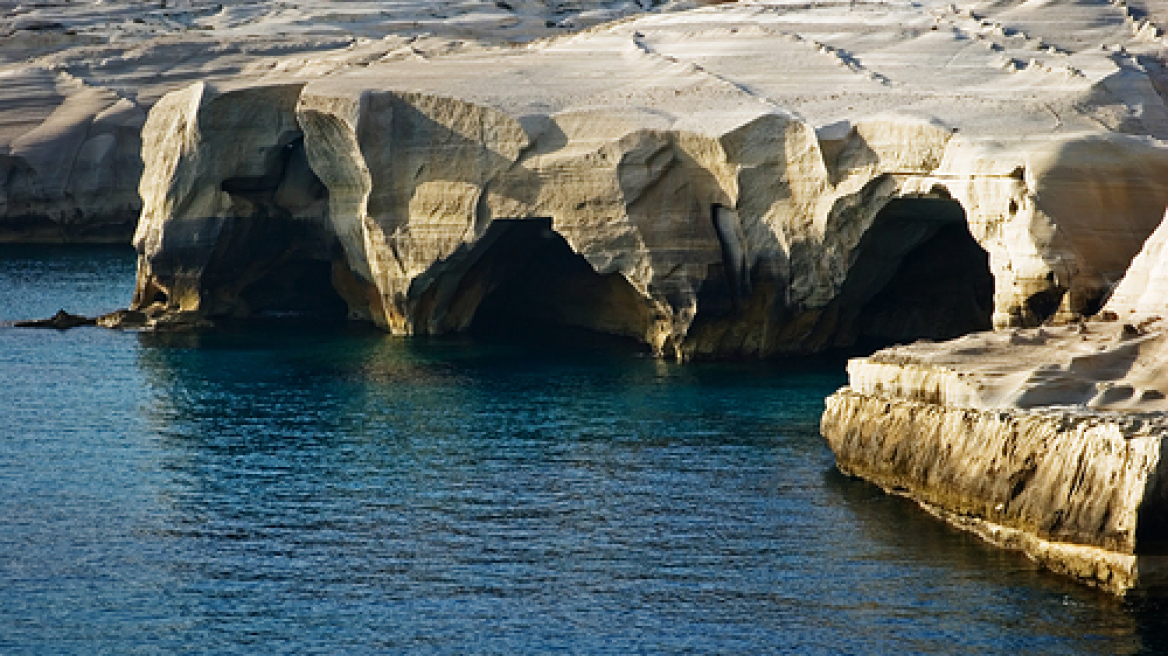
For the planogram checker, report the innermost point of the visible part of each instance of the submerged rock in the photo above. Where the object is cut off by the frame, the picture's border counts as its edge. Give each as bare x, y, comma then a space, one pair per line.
62, 320
123, 319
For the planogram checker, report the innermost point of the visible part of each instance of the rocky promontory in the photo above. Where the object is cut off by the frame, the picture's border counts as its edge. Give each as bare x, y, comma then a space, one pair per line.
1048, 440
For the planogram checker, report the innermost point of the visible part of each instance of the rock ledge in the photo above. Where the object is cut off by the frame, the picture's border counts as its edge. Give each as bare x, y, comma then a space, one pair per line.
1082, 493
1046, 440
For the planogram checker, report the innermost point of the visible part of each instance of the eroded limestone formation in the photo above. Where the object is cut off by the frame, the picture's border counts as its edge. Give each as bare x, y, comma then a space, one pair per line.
77, 78
1047, 440
735, 179
241, 231
69, 172
731, 206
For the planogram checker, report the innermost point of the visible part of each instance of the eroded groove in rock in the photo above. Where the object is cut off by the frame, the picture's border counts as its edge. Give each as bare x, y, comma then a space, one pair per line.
734, 262
334, 155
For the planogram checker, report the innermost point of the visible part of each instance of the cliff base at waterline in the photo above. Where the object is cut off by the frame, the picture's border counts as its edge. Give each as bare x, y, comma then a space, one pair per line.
1046, 440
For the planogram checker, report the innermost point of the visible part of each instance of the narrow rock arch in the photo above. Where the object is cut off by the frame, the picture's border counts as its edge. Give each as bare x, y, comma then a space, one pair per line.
916, 273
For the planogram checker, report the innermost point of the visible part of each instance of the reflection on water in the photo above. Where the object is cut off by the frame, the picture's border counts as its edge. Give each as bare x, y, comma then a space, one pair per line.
312, 489
557, 500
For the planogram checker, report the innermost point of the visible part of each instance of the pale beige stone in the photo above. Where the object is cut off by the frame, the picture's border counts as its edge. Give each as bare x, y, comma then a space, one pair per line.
747, 154
1047, 440
1077, 492
78, 76
710, 179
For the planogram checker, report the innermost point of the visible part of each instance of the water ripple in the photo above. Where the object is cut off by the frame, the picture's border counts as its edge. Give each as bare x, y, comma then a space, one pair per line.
313, 491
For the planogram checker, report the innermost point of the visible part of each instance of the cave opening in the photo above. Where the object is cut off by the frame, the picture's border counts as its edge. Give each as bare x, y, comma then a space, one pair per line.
1151, 523
275, 258
522, 280
274, 268
297, 285
918, 273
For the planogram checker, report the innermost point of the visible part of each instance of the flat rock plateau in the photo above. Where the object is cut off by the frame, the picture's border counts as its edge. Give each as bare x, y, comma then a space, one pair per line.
77, 79
706, 179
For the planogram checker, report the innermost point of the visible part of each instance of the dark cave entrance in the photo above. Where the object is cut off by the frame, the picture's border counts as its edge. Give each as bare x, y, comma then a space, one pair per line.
522, 279
918, 273
298, 285
275, 258
276, 268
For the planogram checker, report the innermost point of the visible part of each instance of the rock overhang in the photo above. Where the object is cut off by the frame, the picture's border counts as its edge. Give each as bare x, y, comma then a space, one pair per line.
604, 116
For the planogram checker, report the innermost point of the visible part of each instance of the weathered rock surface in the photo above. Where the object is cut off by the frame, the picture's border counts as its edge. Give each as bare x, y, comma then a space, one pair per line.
1081, 493
77, 79
733, 179
1047, 440
741, 179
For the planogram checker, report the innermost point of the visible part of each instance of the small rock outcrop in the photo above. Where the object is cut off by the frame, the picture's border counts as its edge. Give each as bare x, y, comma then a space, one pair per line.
62, 320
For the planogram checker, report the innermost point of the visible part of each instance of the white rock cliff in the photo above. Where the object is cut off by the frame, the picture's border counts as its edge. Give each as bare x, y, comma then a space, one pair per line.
77, 78
741, 179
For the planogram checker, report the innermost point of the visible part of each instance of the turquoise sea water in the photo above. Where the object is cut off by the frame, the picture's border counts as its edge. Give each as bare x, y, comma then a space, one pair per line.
340, 491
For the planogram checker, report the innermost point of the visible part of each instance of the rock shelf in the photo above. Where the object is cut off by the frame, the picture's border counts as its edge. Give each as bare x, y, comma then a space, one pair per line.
1047, 440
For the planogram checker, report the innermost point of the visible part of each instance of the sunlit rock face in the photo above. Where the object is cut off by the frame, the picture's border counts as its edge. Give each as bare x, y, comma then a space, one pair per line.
737, 179
77, 78
1083, 494
244, 229
69, 172
746, 179
1048, 440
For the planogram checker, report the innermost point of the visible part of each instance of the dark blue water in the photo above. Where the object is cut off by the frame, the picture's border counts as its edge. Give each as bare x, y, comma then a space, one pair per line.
312, 490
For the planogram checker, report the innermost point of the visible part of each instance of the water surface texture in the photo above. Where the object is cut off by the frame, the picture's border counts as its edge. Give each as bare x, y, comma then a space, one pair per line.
309, 490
